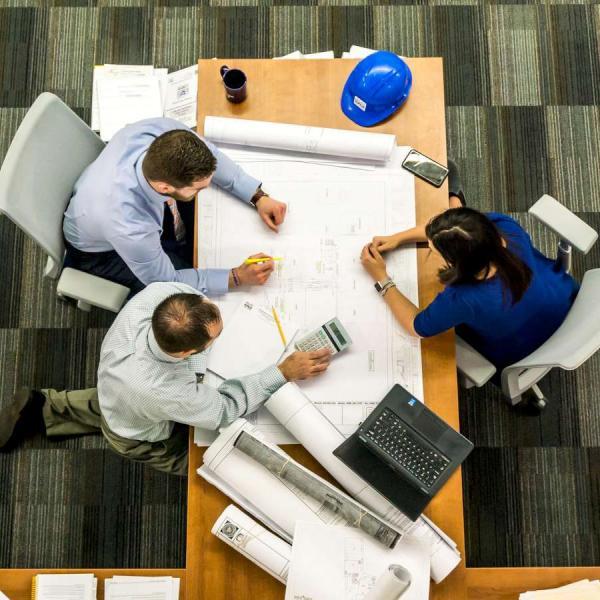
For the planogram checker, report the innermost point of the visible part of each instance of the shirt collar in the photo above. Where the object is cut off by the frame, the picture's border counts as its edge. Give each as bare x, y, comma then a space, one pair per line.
146, 188
157, 351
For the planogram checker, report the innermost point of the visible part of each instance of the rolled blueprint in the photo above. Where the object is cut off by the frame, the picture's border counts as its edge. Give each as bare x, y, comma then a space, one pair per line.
253, 541
300, 138
287, 470
320, 437
390, 585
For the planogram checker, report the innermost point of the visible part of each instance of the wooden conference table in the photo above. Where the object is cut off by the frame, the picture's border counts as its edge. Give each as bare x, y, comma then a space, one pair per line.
308, 92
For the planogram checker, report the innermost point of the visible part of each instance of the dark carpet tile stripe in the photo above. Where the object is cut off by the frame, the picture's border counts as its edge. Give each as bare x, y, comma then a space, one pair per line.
459, 38
574, 54
492, 510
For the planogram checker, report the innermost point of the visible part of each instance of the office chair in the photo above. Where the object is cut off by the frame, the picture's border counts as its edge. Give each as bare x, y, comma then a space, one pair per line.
573, 342
49, 152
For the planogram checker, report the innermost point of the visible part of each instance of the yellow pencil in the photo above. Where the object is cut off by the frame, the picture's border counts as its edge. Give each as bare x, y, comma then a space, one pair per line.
279, 326
253, 261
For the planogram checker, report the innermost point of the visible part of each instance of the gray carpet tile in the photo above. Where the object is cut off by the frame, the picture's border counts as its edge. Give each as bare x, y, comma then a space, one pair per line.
522, 95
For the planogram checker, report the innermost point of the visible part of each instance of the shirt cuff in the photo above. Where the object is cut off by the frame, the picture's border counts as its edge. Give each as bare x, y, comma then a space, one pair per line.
246, 187
217, 281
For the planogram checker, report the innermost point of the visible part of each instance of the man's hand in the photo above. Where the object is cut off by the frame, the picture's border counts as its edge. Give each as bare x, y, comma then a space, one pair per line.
373, 263
257, 273
302, 365
271, 211
385, 243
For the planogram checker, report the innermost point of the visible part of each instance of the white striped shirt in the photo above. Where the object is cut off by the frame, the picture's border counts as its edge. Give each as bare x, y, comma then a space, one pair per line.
143, 390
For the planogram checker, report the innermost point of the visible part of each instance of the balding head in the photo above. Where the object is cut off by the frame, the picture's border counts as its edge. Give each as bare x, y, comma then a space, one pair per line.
185, 323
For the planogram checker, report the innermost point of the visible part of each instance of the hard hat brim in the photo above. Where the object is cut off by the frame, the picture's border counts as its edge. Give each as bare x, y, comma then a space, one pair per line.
360, 117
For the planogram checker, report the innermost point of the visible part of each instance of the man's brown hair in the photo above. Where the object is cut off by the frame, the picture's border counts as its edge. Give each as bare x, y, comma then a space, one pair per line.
180, 322
178, 157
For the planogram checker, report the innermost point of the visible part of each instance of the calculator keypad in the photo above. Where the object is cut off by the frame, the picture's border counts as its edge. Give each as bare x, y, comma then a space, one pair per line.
315, 341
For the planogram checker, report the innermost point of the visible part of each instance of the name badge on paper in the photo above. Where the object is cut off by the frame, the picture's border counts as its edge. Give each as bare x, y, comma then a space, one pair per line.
360, 103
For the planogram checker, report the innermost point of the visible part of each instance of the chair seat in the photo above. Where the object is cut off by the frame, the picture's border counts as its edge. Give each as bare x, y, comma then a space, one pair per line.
92, 290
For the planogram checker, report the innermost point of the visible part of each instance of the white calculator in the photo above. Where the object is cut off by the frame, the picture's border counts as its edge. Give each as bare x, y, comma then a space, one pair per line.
331, 335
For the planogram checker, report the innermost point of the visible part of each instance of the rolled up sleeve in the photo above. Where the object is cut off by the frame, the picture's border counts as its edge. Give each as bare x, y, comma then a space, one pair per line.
203, 406
230, 177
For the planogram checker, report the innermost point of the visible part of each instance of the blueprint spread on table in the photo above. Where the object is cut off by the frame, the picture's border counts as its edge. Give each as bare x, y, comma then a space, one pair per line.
334, 207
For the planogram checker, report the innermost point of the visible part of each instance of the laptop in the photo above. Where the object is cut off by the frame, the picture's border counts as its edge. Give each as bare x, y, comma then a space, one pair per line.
405, 451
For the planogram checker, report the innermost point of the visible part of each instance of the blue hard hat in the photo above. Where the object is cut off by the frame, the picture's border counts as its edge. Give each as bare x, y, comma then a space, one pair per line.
376, 88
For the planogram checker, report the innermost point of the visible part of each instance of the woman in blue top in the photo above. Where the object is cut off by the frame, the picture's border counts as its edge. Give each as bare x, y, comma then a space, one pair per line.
503, 296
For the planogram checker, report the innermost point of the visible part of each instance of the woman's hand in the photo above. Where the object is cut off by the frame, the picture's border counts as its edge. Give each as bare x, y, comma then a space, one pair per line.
373, 263
385, 243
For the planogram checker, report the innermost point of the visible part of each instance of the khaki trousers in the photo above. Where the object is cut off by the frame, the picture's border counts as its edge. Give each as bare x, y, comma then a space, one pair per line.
77, 412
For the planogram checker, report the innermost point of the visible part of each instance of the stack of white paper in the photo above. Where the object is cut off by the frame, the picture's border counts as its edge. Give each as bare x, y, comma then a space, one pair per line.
76, 586
296, 55
337, 563
123, 587
580, 590
123, 94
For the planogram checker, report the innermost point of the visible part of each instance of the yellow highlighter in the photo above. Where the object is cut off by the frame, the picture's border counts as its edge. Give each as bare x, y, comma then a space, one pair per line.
278, 322
253, 261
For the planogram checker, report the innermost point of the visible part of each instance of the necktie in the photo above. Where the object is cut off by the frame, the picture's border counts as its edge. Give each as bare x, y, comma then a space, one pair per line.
178, 224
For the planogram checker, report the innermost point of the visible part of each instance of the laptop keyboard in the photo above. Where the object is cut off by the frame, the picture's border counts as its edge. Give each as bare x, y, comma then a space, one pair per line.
404, 447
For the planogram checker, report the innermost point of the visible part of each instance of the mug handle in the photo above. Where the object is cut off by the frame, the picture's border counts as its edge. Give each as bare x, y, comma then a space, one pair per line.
224, 70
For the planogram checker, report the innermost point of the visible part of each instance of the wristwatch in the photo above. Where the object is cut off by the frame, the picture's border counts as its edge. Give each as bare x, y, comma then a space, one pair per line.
257, 196
382, 286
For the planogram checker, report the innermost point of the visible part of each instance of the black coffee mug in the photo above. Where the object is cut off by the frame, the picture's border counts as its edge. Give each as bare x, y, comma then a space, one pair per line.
234, 81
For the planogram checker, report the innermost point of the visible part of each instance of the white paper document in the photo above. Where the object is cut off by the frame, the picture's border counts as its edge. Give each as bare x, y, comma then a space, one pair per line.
332, 212
293, 409
579, 590
295, 55
320, 55
250, 342
138, 590
340, 563
182, 95
113, 72
115, 105
64, 586
172, 582
300, 138
253, 541
126, 100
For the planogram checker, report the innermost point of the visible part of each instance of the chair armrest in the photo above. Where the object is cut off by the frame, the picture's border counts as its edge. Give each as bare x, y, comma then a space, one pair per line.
475, 367
564, 223
91, 289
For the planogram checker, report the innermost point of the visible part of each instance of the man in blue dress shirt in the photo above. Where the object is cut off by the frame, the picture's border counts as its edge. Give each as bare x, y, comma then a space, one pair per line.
131, 216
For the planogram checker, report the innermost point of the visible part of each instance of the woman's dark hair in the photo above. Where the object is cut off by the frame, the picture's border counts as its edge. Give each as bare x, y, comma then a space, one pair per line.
470, 244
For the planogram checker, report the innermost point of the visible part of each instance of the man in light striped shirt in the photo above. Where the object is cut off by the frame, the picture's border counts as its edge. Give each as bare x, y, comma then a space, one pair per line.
150, 382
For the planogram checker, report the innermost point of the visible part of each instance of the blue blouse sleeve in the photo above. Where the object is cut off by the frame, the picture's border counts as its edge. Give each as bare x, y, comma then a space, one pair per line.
448, 310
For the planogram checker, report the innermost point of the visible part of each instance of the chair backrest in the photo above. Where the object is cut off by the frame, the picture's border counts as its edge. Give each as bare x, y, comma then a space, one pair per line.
574, 341
49, 152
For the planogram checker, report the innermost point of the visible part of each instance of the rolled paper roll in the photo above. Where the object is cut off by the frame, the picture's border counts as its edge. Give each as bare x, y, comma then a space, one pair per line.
391, 584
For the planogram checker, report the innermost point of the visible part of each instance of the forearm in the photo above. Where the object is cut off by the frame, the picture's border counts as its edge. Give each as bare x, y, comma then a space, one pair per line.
230, 177
403, 309
411, 236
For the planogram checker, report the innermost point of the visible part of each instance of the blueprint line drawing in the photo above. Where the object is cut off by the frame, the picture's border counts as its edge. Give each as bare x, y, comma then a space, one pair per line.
332, 212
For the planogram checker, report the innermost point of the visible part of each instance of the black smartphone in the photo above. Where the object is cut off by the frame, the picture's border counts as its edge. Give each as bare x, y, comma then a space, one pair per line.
426, 168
